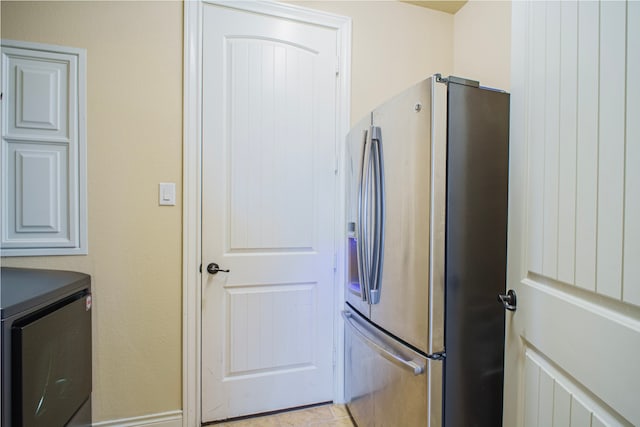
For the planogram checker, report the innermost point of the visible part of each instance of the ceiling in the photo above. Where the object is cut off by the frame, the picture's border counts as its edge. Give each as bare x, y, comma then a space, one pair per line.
450, 6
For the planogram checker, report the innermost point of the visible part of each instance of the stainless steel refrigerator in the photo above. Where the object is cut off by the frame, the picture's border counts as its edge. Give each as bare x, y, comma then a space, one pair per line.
427, 176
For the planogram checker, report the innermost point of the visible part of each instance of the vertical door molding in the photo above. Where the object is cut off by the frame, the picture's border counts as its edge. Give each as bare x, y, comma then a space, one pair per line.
191, 217
43, 183
192, 183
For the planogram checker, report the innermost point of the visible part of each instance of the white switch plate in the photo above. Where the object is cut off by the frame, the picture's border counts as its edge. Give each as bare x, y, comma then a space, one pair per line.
167, 194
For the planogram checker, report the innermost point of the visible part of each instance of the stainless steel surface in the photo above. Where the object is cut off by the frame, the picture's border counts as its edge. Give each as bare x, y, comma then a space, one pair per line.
360, 381
476, 253
378, 209
361, 224
438, 216
380, 392
355, 293
406, 142
387, 353
367, 216
434, 201
435, 396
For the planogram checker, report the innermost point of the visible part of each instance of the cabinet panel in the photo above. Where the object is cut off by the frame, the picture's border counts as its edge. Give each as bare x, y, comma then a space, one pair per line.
43, 150
38, 103
41, 94
38, 195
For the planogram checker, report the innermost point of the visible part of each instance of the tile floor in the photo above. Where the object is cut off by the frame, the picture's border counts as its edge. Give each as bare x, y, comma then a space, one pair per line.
318, 416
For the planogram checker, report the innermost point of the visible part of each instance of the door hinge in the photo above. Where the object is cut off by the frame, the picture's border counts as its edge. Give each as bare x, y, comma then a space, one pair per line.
335, 262
337, 66
437, 356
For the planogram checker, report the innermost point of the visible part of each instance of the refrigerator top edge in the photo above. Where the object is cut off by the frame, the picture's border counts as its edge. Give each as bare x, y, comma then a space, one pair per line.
466, 82
438, 79
457, 80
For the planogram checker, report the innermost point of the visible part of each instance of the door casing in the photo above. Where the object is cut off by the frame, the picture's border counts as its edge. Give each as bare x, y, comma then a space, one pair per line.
192, 185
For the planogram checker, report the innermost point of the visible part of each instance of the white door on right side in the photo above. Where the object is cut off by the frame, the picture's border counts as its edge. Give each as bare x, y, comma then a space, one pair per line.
573, 344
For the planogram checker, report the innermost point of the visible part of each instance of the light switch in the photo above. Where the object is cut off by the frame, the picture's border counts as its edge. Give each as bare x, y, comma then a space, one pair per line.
167, 194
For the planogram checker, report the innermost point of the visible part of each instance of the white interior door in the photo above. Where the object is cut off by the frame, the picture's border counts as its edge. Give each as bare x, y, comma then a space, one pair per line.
268, 200
574, 234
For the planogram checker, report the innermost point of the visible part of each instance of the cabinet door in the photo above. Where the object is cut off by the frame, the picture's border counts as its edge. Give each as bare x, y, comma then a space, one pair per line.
43, 150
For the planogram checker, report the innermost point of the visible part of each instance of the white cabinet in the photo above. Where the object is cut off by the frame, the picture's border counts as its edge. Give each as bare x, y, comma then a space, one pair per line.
43, 179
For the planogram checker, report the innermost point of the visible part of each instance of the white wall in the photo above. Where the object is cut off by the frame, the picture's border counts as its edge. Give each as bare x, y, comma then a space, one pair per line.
397, 44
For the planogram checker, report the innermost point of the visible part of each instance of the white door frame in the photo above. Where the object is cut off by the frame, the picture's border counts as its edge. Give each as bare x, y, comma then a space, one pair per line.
192, 201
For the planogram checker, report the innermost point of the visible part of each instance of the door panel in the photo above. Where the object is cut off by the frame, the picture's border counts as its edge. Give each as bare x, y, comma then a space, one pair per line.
552, 399
573, 341
269, 158
586, 156
261, 332
270, 146
631, 270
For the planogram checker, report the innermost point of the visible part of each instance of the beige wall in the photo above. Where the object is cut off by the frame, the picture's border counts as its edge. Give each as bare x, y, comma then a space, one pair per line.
134, 116
482, 42
134, 52
397, 44
393, 46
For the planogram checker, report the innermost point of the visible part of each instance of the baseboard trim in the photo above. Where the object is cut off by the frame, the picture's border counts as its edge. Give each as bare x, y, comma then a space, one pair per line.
164, 419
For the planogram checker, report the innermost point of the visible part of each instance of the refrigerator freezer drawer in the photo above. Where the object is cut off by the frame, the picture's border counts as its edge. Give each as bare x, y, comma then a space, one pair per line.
388, 384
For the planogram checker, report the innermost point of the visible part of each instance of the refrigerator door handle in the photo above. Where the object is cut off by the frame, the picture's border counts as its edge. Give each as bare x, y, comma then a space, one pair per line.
361, 248
378, 208
397, 359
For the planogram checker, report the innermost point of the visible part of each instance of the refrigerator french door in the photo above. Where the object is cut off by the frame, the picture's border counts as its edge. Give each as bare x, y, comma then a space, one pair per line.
427, 177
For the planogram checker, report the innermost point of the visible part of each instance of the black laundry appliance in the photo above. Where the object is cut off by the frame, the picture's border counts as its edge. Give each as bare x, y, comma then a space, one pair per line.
46, 348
